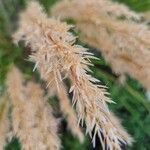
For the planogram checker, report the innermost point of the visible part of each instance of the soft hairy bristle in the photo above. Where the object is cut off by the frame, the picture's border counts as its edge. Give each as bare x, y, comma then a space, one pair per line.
65, 106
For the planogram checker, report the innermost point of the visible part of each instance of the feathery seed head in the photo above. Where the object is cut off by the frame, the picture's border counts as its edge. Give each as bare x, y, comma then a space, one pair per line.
56, 55
32, 119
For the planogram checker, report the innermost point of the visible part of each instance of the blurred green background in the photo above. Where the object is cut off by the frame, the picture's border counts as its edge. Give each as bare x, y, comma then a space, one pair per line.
132, 105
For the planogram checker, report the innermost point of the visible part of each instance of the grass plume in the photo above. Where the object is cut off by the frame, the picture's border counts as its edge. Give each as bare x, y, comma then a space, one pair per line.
32, 119
54, 53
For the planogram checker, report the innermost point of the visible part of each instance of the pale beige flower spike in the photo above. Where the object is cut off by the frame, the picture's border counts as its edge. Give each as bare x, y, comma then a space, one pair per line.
54, 53
32, 119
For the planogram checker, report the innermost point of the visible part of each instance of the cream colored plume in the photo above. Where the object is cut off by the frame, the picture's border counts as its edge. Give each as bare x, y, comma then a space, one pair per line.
54, 53
125, 44
32, 119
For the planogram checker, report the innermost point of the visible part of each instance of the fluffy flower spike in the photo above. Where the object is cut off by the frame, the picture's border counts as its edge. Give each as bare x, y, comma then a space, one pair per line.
32, 119
54, 52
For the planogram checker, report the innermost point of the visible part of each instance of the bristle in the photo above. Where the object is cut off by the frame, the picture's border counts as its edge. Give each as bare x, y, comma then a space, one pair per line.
66, 108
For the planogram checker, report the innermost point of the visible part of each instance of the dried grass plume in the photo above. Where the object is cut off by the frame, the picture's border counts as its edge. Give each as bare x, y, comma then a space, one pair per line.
32, 119
54, 53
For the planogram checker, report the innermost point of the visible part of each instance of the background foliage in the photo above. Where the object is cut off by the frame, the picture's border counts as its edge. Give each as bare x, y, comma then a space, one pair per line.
132, 105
